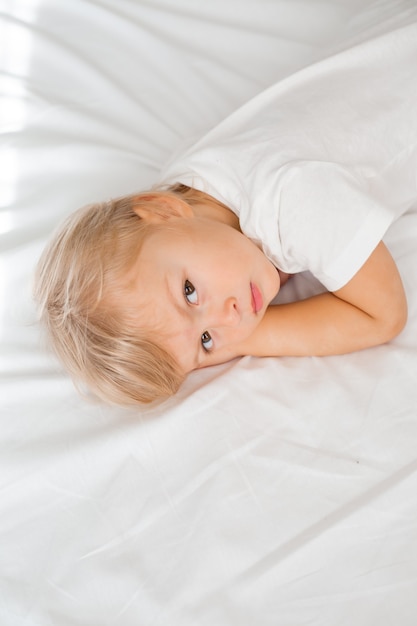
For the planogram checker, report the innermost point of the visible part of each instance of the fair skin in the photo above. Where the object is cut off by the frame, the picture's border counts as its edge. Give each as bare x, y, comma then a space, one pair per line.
207, 289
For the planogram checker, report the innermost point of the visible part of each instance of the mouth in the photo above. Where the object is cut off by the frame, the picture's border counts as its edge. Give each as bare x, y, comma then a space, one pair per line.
257, 300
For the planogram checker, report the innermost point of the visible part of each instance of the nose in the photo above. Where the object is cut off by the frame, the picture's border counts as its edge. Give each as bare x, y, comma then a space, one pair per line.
226, 313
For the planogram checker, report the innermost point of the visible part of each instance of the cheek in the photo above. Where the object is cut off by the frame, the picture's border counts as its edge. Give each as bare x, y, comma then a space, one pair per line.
240, 251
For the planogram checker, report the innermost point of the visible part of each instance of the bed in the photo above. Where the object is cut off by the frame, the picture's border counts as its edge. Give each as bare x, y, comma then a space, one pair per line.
275, 492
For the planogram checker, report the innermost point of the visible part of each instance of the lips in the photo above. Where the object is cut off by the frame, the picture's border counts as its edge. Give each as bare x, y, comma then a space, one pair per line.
257, 301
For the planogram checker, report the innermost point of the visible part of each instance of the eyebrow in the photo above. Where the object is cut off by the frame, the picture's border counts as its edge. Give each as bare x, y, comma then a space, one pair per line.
177, 305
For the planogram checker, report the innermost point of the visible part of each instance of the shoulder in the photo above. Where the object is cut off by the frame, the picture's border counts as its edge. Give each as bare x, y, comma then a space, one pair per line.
329, 221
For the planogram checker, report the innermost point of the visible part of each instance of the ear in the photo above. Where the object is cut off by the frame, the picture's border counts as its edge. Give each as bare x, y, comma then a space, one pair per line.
156, 207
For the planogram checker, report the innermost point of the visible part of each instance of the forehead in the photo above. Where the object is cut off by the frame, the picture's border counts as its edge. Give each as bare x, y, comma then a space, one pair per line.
156, 304
166, 258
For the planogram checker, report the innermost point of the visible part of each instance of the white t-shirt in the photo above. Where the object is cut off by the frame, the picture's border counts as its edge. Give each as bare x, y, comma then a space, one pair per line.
318, 166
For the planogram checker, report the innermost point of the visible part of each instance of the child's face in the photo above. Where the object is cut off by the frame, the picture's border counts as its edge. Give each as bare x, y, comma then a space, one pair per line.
202, 287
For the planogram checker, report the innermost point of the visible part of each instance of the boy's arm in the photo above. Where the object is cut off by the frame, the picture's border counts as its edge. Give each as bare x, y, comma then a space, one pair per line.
369, 310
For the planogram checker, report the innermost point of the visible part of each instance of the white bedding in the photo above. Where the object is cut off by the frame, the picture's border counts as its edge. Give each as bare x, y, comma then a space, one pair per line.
275, 492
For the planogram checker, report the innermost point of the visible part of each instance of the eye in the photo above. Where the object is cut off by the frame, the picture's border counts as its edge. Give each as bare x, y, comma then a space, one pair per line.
190, 292
207, 341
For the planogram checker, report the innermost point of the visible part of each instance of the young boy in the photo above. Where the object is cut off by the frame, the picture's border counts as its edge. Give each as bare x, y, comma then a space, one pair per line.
309, 175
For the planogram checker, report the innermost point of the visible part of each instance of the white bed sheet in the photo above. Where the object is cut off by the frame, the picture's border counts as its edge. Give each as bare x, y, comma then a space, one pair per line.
275, 492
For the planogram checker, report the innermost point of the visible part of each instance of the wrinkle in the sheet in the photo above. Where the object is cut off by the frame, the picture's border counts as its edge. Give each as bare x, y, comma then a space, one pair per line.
80, 63
318, 528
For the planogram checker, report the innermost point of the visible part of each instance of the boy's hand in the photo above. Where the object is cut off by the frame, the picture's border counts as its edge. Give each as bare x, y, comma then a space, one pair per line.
369, 310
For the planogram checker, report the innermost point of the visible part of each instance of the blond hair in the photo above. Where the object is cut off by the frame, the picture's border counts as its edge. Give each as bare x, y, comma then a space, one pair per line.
75, 278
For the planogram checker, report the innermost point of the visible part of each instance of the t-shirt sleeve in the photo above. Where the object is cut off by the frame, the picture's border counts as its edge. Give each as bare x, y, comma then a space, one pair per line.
329, 221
